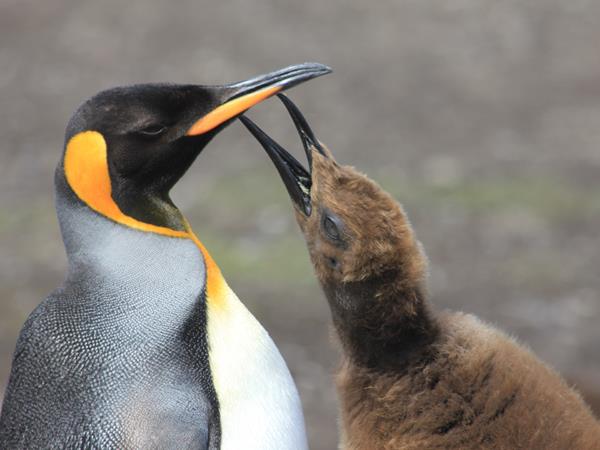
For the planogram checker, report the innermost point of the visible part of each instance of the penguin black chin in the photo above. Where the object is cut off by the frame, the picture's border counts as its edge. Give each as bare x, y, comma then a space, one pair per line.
296, 178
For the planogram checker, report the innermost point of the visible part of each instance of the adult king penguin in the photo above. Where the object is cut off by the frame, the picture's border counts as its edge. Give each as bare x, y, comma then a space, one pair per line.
145, 345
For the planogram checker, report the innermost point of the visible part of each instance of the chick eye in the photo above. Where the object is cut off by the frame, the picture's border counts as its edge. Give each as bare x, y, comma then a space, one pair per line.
153, 130
331, 229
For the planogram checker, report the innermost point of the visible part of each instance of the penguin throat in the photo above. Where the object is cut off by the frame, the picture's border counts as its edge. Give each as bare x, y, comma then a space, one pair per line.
87, 174
380, 322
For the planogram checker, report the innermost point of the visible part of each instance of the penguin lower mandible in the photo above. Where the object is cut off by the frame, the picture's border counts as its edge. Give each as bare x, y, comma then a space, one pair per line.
145, 345
411, 377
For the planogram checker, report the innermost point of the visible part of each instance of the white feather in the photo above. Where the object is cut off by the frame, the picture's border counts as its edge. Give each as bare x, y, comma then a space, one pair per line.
259, 404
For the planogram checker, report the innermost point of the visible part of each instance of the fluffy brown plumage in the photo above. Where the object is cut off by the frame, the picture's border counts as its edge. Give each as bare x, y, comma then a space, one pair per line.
411, 377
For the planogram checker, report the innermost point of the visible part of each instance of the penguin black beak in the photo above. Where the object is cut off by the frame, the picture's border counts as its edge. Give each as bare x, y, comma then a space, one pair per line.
296, 178
239, 97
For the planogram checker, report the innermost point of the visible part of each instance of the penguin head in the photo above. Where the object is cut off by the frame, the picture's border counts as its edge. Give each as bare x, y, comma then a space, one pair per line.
360, 241
126, 147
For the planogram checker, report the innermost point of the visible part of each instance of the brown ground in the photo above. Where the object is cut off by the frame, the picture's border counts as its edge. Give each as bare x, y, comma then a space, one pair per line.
482, 117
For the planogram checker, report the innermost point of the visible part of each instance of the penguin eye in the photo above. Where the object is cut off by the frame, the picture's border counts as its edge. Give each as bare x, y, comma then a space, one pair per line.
330, 228
154, 130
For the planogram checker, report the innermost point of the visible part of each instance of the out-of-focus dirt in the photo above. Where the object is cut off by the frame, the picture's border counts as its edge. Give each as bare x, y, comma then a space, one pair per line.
483, 118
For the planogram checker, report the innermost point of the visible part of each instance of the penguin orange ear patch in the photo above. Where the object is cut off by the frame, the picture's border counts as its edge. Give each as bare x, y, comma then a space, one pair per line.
86, 171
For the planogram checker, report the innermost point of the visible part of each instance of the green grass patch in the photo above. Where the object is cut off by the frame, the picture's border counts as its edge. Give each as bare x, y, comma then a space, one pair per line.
283, 259
545, 197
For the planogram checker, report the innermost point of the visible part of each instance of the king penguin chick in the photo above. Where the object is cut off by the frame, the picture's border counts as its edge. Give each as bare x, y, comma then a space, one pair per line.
411, 377
144, 345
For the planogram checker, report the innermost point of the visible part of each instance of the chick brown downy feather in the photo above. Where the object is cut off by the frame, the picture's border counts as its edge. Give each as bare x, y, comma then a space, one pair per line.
412, 378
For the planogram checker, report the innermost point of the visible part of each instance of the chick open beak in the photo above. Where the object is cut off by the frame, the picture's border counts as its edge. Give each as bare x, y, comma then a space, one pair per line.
296, 178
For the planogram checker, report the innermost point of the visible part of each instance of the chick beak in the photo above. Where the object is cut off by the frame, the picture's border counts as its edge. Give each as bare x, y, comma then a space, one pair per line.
296, 178
238, 97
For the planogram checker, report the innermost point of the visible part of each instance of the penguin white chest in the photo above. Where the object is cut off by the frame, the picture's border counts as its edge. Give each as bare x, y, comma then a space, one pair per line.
258, 401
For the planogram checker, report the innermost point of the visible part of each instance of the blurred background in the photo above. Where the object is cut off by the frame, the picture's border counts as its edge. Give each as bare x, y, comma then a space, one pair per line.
482, 118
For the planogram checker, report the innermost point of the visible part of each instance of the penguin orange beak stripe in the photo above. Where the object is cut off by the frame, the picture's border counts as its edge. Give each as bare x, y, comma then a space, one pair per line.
243, 95
230, 109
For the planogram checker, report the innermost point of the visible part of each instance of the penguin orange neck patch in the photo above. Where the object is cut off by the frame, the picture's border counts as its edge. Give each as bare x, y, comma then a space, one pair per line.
86, 171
